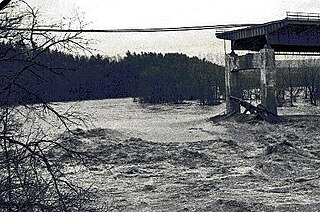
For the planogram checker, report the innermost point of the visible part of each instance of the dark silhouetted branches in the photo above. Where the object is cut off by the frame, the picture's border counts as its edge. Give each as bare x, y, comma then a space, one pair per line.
32, 178
4, 3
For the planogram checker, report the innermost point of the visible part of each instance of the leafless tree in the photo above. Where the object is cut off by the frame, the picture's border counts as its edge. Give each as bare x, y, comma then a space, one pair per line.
4, 3
32, 177
311, 75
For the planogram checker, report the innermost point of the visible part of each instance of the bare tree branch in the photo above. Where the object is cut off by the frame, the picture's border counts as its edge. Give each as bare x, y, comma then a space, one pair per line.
4, 3
31, 177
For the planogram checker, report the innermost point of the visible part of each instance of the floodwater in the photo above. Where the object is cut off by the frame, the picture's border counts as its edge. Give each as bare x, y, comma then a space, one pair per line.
173, 158
153, 122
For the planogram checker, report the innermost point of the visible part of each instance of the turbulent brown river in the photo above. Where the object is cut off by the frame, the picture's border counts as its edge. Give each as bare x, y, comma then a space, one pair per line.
160, 122
173, 158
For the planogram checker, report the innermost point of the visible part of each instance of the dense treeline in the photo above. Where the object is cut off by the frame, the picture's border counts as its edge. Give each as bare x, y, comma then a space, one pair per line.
174, 78
57, 76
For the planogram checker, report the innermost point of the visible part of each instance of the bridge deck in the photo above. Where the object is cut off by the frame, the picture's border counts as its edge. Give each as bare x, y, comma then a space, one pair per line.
298, 32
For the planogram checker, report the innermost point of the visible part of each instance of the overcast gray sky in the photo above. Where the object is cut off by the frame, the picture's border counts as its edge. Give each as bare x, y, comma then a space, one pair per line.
115, 14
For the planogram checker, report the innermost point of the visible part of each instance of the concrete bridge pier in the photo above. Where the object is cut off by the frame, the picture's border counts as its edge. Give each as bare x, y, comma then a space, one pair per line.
232, 82
268, 80
263, 61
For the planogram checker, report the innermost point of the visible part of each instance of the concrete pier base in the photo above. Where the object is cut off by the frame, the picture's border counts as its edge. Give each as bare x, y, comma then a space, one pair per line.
268, 80
232, 83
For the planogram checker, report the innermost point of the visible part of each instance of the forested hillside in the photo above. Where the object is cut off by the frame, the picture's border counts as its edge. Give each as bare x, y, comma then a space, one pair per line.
151, 77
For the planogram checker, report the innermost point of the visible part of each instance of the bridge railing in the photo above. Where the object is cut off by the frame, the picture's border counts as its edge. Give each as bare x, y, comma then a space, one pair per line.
303, 16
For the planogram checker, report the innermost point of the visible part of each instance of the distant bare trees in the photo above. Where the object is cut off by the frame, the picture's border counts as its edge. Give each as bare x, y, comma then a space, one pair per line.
311, 78
298, 77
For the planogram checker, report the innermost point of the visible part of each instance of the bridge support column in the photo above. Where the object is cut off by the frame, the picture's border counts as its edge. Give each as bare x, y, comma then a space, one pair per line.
268, 80
232, 82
